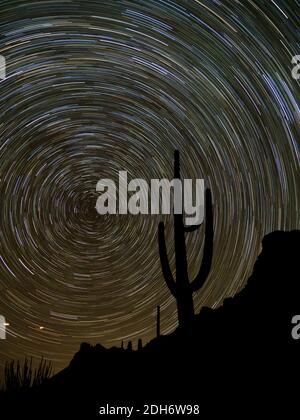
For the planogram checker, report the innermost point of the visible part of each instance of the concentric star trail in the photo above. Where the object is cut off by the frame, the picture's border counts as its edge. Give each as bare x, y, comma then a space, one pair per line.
96, 87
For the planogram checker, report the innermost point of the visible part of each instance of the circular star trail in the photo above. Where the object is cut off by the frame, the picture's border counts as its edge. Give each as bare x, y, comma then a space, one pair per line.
96, 87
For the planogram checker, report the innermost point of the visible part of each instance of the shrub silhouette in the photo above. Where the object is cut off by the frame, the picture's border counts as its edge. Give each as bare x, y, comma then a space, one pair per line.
19, 376
182, 289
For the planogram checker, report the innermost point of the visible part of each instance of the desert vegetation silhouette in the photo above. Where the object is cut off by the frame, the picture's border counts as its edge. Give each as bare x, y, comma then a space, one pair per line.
25, 375
181, 288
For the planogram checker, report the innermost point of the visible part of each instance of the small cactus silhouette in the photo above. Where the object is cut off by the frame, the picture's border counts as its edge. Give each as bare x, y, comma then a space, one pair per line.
129, 346
140, 344
158, 321
182, 289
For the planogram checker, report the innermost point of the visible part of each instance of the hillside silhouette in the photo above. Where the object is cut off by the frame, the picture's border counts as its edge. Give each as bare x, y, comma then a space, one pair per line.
241, 352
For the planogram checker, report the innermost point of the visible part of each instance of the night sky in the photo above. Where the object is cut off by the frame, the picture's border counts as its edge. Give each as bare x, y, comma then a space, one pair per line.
96, 87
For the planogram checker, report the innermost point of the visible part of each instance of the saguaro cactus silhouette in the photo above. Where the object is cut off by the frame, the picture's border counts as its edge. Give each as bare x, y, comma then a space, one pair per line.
182, 289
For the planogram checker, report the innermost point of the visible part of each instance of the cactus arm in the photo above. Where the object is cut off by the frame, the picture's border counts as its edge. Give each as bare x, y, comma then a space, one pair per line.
176, 165
208, 245
164, 260
191, 228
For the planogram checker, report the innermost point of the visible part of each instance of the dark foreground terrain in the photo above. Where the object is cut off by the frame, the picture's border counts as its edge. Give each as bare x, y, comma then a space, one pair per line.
238, 360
